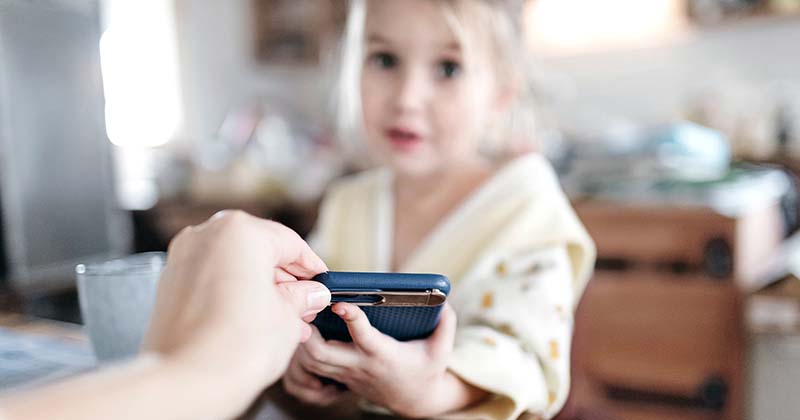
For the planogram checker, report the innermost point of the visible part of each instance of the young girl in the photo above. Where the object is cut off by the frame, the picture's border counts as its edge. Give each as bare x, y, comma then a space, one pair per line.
439, 80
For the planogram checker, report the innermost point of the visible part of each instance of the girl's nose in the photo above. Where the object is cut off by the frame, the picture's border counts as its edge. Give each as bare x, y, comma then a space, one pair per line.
411, 92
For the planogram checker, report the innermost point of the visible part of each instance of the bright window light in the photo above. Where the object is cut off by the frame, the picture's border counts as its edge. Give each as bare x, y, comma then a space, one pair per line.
575, 26
140, 73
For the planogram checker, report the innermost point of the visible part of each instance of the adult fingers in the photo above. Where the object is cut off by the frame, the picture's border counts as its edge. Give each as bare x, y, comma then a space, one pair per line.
291, 252
282, 276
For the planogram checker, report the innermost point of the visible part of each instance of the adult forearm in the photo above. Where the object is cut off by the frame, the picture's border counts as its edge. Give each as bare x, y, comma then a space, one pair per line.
147, 387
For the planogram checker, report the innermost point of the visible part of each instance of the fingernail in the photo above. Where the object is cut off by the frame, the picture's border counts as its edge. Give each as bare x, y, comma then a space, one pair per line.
317, 299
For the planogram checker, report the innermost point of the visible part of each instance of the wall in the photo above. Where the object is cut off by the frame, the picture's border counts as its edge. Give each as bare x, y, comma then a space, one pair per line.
219, 72
651, 85
648, 85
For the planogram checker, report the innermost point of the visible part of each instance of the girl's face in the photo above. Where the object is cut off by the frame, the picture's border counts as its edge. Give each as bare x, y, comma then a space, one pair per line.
424, 108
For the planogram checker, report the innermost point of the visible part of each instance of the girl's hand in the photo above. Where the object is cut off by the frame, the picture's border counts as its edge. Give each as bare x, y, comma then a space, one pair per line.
409, 378
307, 387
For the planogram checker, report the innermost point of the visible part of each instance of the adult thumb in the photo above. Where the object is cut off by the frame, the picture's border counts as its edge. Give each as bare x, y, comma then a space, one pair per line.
307, 297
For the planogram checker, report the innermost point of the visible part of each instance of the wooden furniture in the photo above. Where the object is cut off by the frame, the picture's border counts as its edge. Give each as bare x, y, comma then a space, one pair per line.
659, 331
688, 238
296, 32
675, 343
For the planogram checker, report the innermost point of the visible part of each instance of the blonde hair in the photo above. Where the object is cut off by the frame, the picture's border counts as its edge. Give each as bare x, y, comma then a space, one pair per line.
512, 67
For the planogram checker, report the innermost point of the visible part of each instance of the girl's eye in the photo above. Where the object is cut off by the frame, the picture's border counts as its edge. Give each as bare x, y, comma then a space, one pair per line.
383, 60
449, 69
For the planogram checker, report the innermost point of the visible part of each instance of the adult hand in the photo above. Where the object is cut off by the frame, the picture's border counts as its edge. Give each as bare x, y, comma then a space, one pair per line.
227, 319
229, 307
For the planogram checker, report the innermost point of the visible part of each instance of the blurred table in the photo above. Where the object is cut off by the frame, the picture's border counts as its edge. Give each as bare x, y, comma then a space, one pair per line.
35, 351
275, 404
50, 328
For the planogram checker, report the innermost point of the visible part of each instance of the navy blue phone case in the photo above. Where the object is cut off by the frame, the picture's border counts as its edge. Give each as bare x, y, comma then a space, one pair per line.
401, 322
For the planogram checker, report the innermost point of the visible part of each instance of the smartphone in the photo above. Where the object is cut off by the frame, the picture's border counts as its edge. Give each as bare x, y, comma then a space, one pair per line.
404, 306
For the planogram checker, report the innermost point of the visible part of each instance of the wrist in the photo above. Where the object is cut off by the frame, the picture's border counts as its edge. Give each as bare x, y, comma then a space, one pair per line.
149, 386
197, 388
446, 393
460, 394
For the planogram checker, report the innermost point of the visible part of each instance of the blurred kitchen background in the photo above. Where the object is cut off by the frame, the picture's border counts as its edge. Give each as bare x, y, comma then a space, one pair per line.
674, 125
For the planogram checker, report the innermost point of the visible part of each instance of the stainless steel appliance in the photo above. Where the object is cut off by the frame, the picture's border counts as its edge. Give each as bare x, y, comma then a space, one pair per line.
56, 198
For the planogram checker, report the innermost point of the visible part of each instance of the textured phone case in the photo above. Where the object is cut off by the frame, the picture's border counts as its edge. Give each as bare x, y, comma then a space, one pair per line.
401, 322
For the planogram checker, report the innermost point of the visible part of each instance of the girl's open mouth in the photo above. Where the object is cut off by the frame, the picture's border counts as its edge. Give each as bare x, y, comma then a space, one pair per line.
403, 139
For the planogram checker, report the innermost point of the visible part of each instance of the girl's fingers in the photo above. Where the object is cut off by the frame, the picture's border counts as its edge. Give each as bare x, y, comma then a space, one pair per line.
307, 388
334, 353
440, 343
324, 370
364, 335
300, 377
